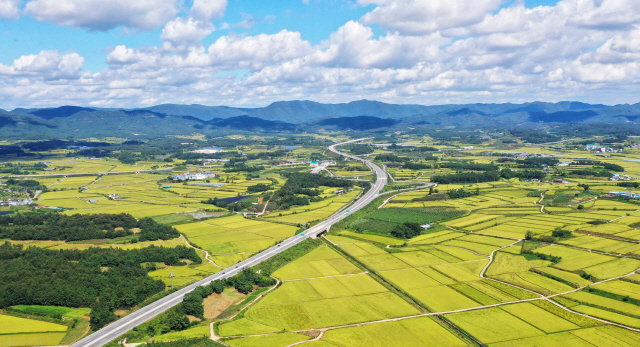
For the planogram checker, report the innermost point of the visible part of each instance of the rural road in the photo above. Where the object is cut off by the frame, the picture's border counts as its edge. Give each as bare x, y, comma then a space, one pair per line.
121, 326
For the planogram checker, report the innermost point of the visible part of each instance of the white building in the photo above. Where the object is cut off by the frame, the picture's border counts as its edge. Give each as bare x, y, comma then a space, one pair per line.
193, 176
208, 150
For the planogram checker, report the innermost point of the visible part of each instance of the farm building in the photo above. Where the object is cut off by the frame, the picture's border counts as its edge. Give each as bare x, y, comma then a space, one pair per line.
208, 150
193, 176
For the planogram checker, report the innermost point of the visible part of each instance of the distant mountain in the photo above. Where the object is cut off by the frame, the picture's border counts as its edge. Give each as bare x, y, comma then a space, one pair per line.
358, 123
63, 111
251, 123
199, 111
170, 119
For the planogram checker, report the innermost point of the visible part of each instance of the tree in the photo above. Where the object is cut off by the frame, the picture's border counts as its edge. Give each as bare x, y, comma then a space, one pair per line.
529, 235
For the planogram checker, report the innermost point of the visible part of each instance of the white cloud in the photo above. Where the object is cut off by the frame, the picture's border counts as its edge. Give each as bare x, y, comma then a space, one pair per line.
417, 17
258, 51
47, 64
104, 15
181, 34
353, 46
122, 55
208, 10
9, 9
429, 54
602, 14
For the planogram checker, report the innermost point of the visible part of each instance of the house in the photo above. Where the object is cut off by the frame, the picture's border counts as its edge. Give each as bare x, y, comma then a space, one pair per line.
626, 195
314, 164
558, 180
426, 226
339, 191
115, 197
592, 147
193, 176
208, 150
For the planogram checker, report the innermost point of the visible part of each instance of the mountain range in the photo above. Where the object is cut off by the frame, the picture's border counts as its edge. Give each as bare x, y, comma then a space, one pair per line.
172, 119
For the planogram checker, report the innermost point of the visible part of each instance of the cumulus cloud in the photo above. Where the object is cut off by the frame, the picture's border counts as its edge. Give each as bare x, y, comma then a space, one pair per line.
258, 51
416, 17
602, 14
104, 15
46, 64
208, 10
9, 9
467, 51
181, 34
353, 46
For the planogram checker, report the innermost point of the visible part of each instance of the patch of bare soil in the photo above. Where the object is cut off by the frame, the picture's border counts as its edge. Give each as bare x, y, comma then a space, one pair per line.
311, 333
216, 303
193, 319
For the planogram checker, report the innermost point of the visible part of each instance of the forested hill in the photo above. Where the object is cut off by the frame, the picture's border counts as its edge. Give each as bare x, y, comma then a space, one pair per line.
169, 119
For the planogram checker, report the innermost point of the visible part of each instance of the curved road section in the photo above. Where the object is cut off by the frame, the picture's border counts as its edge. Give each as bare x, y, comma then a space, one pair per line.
121, 326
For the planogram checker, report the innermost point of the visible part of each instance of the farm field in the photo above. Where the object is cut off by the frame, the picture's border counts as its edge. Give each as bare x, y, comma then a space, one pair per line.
382, 277
235, 234
15, 331
321, 289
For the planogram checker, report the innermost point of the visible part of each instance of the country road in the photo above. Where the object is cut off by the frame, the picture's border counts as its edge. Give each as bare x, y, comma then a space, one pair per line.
121, 326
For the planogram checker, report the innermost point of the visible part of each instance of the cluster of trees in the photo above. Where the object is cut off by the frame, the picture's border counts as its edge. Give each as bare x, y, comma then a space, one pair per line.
628, 184
91, 152
488, 176
561, 233
416, 166
594, 173
304, 184
389, 157
524, 175
461, 193
554, 259
471, 166
55, 226
359, 149
105, 279
21, 169
244, 282
537, 163
242, 167
356, 168
26, 184
406, 230
257, 188
467, 177
231, 206
606, 166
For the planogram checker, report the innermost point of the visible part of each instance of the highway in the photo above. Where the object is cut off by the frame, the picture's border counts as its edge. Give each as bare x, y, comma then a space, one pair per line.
121, 326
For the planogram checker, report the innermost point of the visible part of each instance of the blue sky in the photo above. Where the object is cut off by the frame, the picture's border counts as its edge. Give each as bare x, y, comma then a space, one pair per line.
259, 51
315, 20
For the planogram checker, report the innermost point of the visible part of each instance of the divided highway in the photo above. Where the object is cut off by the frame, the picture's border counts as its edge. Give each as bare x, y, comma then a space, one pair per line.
121, 326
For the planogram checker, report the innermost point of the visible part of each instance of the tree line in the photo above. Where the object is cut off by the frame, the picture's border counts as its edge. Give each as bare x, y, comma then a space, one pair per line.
77, 227
105, 279
489, 176
307, 184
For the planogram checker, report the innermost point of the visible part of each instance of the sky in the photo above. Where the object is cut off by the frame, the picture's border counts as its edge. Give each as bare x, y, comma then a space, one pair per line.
250, 53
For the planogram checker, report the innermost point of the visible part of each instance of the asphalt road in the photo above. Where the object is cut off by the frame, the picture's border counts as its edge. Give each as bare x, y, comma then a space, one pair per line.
121, 326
